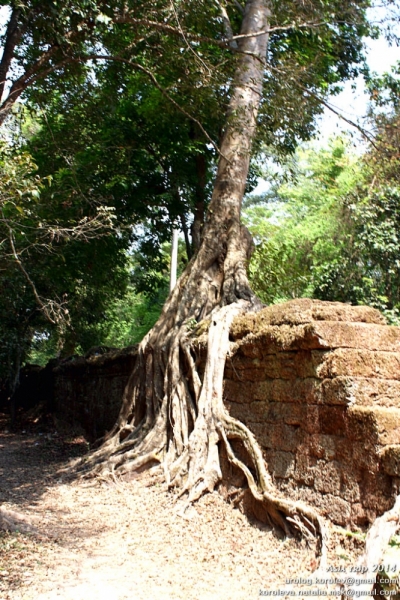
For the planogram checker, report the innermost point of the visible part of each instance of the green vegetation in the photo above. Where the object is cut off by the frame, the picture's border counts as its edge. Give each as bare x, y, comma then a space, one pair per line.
109, 154
330, 227
298, 226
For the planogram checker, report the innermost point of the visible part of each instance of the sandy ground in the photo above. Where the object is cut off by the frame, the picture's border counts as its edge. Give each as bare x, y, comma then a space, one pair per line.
128, 541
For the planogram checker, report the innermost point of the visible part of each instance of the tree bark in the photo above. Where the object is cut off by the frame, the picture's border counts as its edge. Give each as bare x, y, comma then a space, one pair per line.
200, 203
171, 416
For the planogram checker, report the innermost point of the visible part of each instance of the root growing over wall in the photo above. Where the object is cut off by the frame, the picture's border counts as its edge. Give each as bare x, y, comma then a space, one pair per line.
174, 417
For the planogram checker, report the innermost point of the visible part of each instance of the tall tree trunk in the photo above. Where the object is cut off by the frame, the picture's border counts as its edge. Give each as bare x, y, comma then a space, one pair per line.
170, 416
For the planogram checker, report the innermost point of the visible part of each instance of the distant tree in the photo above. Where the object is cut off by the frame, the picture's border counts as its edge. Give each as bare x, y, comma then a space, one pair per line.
54, 259
332, 229
368, 271
299, 226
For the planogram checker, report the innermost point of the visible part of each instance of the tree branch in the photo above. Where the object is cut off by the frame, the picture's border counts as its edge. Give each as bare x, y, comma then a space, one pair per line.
200, 38
196, 55
140, 67
31, 74
43, 307
20, 85
34, 71
283, 28
369, 137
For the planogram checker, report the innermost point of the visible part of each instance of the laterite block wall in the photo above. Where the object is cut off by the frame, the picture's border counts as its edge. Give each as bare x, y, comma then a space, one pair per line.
88, 390
318, 383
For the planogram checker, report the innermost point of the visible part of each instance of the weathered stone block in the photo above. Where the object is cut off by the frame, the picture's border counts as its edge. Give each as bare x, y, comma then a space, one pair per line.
332, 420
294, 391
89, 390
390, 458
323, 446
302, 311
339, 334
374, 392
388, 422
250, 373
374, 424
287, 437
349, 487
360, 363
365, 458
304, 466
333, 507
358, 515
280, 366
291, 414
360, 391
377, 492
327, 477
361, 425
280, 464
279, 436
235, 391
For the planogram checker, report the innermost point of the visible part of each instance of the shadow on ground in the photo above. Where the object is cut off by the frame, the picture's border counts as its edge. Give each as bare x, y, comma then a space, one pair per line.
31, 455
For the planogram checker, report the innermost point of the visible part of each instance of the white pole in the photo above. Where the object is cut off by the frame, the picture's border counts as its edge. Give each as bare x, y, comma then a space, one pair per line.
174, 260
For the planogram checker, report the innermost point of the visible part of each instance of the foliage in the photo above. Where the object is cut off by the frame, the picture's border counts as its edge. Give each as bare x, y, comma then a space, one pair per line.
19, 194
133, 316
313, 48
59, 263
332, 231
125, 100
126, 318
367, 271
298, 229
117, 148
126, 321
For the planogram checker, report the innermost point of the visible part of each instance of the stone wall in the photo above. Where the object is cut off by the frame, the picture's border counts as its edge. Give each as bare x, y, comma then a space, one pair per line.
319, 386
88, 390
317, 383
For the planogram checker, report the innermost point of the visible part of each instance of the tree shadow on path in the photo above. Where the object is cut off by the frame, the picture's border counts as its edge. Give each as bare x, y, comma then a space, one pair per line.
30, 459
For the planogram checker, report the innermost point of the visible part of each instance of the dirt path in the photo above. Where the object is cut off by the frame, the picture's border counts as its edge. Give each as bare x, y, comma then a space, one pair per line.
127, 541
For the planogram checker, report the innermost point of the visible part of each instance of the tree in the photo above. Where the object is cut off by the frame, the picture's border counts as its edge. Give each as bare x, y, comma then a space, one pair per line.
300, 226
331, 229
169, 415
367, 269
128, 147
60, 262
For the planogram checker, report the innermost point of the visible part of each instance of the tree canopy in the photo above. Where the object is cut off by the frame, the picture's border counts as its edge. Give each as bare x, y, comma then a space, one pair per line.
329, 228
137, 107
128, 103
103, 126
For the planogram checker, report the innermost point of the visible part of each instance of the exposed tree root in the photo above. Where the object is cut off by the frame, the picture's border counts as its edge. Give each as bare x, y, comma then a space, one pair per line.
13, 521
172, 416
182, 429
